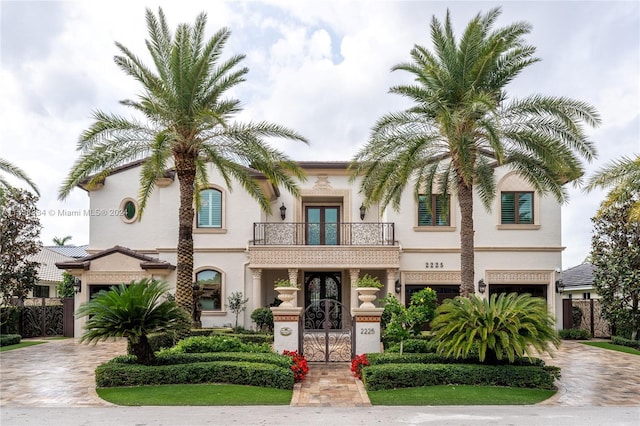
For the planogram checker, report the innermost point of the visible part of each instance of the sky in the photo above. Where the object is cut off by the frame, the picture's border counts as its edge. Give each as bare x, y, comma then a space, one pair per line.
320, 67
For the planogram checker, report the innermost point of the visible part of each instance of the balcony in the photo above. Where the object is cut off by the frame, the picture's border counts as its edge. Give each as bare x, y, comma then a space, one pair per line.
323, 234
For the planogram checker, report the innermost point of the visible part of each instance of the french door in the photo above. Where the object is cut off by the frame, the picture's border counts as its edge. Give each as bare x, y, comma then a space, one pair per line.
322, 225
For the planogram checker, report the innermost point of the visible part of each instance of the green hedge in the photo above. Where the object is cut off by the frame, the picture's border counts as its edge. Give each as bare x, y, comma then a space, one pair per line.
414, 346
167, 358
114, 374
392, 376
10, 339
574, 334
431, 358
9, 320
617, 340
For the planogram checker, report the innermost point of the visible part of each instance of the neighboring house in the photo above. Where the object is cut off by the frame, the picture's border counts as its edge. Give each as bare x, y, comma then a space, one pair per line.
70, 251
578, 282
49, 276
324, 240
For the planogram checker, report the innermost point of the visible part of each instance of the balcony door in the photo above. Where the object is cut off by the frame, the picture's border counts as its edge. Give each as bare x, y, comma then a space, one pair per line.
322, 224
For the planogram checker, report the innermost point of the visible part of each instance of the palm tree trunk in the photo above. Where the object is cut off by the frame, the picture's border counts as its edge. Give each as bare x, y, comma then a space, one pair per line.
186, 171
142, 351
467, 255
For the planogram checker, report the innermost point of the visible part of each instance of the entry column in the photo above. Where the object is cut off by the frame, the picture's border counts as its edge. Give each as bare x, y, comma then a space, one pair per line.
286, 330
367, 329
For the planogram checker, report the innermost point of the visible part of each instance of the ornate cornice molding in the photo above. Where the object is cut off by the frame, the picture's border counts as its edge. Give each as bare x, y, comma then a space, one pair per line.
520, 277
432, 277
334, 256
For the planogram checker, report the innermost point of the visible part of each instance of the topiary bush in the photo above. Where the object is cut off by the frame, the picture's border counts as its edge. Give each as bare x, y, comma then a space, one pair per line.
392, 376
414, 346
172, 358
10, 339
114, 374
9, 320
263, 317
433, 358
218, 343
574, 334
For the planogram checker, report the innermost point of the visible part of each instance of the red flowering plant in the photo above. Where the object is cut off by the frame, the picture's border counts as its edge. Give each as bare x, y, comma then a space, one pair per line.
299, 367
357, 364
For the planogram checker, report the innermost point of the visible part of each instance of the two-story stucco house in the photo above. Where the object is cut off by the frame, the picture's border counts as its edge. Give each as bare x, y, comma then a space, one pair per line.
324, 240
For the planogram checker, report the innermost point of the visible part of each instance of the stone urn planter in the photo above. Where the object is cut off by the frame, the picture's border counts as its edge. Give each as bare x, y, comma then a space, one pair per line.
287, 295
367, 295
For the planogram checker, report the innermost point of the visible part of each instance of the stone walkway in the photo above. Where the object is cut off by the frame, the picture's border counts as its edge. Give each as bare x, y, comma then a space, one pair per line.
60, 373
330, 385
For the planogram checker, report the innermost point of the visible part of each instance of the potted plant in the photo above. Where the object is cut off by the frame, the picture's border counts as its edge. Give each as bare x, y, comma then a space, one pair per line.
367, 287
286, 292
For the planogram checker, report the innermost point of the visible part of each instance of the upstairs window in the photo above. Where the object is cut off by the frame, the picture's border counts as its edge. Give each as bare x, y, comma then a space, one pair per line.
516, 207
434, 211
210, 209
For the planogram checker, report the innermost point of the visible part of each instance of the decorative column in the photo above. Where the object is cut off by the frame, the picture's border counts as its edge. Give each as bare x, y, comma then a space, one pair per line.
391, 283
367, 329
354, 274
293, 277
286, 329
256, 275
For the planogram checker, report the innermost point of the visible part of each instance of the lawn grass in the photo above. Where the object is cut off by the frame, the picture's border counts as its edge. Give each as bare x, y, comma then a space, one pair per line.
611, 346
20, 345
459, 395
200, 394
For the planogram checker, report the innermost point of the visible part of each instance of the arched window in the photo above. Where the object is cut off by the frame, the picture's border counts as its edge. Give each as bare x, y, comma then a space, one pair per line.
210, 209
210, 284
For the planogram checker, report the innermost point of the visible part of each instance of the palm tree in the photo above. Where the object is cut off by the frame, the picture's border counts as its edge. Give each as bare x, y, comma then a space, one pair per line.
188, 124
7, 167
505, 326
461, 127
623, 177
132, 311
61, 241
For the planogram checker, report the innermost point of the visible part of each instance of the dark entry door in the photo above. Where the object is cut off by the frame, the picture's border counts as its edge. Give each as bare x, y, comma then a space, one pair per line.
321, 286
322, 225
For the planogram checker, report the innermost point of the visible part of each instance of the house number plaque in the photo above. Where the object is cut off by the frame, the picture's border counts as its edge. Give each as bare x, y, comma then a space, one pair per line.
285, 331
434, 265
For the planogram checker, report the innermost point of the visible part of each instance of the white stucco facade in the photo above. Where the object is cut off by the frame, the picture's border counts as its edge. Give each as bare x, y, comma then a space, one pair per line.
251, 249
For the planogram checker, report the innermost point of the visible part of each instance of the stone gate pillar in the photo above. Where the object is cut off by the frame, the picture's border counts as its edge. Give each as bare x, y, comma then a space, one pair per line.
367, 329
286, 333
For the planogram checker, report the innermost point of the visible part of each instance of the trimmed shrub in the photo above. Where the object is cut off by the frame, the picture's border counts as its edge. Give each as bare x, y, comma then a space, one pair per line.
9, 320
414, 346
617, 340
114, 374
432, 358
392, 376
10, 339
574, 334
263, 317
218, 343
209, 331
169, 358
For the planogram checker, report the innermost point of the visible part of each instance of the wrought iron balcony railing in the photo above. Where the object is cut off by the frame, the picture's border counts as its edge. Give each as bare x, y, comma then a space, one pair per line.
325, 234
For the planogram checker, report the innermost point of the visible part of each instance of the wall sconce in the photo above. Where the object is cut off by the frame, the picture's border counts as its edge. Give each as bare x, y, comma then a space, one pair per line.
363, 211
482, 286
77, 285
283, 211
398, 287
559, 286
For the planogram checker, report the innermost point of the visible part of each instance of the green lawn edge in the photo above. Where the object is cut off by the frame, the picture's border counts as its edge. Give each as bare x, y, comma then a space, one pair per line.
612, 347
460, 395
195, 394
20, 345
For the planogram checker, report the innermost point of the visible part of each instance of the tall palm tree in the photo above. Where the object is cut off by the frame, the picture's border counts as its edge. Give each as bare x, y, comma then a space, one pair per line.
461, 126
623, 177
133, 311
13, 170
188, 123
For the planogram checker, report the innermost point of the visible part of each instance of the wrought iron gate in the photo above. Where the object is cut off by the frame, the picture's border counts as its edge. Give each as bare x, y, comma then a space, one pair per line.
326, 332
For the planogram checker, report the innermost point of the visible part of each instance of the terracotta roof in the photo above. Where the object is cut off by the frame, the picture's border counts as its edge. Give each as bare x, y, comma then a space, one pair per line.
147, 262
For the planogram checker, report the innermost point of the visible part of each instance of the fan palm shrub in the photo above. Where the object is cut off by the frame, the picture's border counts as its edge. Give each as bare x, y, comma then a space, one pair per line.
503, 326
134, 311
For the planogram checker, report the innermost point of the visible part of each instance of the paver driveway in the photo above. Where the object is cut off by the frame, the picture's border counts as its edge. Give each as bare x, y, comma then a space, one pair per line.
60, 374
